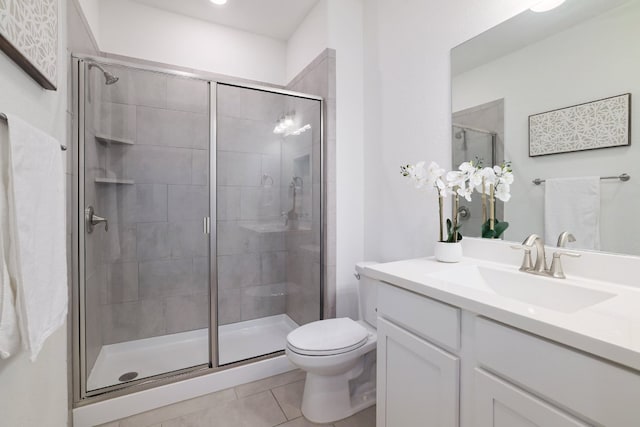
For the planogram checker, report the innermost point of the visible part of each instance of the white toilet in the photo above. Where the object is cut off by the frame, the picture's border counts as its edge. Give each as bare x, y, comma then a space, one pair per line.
339, 358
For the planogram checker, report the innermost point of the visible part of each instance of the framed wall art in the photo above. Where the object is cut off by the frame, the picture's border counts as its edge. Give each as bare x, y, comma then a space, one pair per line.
29, 36
597, 124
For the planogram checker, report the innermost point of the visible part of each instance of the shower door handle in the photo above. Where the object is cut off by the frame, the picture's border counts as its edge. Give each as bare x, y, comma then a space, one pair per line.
91, 220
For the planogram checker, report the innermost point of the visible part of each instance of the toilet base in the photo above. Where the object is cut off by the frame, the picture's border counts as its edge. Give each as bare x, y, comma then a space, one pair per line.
327, 399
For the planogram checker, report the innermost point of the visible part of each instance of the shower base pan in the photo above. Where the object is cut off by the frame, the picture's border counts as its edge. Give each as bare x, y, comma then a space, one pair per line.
152, 356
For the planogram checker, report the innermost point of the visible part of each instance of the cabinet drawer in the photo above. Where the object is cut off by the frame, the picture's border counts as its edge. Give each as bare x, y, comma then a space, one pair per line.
602, 393
499, 404
430, 319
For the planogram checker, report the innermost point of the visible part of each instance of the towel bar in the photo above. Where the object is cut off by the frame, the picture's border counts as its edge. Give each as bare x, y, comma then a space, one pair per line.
4, 117
623, 177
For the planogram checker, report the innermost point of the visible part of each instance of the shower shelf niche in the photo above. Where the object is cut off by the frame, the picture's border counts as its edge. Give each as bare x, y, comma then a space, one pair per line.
119, 181
106, 139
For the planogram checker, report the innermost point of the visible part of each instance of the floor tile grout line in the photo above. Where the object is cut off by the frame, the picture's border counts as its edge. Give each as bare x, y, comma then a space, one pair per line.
279, 406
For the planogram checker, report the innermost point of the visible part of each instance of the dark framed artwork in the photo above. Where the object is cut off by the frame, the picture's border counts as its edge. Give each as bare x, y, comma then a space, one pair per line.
593, 125
29, 36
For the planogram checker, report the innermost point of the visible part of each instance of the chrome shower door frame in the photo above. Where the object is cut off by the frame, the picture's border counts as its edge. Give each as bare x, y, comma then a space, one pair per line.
81, 396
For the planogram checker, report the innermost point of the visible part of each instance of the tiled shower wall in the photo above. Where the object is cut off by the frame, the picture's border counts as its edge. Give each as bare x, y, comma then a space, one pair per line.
150, 268
252, 258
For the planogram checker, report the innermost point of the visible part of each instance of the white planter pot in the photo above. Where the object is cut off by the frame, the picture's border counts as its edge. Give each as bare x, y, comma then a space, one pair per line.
448, 252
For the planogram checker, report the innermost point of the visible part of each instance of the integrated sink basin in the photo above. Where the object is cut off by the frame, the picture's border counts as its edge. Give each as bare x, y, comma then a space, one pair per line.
554, 294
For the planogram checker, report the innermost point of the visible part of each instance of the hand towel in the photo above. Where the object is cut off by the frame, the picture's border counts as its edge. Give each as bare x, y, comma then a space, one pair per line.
9, 329
573, 205
37, 232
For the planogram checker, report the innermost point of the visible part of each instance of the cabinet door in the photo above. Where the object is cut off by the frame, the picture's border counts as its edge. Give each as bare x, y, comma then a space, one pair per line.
500, 404
417, 382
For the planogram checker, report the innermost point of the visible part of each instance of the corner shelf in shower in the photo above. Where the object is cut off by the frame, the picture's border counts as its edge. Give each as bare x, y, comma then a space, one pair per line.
117, 181
106, 139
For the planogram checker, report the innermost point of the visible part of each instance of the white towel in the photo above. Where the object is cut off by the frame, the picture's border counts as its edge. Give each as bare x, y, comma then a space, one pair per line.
573, 205
33, 176
9, 329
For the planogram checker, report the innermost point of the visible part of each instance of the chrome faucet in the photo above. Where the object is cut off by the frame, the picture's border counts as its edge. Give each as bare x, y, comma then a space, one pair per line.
540, 266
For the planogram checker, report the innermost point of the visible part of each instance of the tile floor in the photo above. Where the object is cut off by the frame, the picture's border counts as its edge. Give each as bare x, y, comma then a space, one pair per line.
273, 401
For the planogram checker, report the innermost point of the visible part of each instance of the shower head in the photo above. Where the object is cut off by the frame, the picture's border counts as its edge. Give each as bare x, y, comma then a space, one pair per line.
108, 77
460, 134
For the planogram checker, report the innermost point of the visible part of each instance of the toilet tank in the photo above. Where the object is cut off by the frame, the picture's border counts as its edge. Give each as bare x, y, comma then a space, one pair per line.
367, 295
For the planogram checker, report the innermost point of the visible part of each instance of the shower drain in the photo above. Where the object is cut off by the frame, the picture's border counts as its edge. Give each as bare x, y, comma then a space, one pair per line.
128, 376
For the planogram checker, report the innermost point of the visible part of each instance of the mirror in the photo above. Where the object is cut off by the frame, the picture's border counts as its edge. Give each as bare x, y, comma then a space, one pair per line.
557, 63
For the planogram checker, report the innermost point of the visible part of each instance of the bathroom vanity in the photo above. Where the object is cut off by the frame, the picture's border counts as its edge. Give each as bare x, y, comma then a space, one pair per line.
479, 343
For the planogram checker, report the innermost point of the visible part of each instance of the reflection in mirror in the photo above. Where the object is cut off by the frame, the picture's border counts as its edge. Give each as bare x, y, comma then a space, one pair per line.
578, 53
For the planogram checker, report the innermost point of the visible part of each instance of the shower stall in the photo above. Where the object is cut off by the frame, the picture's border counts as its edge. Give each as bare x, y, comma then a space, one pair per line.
199, 218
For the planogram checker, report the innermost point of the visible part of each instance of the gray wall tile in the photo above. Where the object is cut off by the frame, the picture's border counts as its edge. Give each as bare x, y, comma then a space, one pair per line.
151, 202
239, 168
262, 301
160, 165
121, 242
235, 271
186, 313
153, 241
249, 104
247, 136
200, 273
274, 267
135, 87
187, 239
228, 203
259, 203
200, 167
187, 95
122, 282
132, 320
228, 306
170, 128
235, 239
188, 202
164, 278
115, 120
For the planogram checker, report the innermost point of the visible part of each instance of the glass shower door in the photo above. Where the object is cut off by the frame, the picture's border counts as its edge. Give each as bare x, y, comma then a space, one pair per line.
269, 218
144, 196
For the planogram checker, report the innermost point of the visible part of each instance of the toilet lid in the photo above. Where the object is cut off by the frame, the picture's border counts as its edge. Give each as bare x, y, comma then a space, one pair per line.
326, 337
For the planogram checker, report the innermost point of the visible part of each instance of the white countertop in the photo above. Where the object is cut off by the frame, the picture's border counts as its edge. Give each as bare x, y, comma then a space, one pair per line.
609, 329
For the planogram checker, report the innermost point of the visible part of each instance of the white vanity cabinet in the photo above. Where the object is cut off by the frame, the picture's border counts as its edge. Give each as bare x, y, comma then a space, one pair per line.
500, 404
420, 379
439, 365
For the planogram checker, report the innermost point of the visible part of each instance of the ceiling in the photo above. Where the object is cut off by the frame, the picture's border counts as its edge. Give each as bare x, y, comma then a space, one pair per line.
524, 29
273, 18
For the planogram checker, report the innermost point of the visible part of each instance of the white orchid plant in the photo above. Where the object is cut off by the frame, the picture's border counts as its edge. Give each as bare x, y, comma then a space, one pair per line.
493, 182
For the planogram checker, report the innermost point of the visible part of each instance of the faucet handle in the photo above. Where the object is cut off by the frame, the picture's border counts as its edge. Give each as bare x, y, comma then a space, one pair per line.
527, 264
556, 266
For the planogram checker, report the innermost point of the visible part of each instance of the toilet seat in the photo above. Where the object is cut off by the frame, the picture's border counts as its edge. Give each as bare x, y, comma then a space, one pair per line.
327, 337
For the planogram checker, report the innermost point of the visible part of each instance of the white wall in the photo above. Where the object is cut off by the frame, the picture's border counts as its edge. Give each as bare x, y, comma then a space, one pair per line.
133, 29
91, 11
309, 40
606, 69
407, 110
346, 37
35, 394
